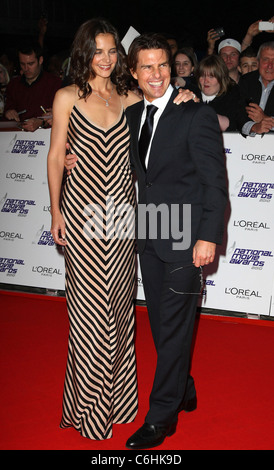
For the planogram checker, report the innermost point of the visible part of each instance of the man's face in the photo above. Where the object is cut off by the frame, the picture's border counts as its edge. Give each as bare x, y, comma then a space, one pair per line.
30, 66
266, 65
247, 64
230, 56
152, 72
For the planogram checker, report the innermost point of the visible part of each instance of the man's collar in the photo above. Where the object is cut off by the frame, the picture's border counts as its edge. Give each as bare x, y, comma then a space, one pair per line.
23, 79
270, 84
163, 100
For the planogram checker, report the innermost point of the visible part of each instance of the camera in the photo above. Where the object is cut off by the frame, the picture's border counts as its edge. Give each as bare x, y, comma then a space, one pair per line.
249, 100
266, 26
220, 32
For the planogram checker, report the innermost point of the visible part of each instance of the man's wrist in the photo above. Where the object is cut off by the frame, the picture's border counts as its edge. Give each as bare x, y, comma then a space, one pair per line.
43, 124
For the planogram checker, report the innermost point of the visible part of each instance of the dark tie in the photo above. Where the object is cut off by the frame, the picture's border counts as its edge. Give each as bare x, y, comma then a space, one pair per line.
146, 132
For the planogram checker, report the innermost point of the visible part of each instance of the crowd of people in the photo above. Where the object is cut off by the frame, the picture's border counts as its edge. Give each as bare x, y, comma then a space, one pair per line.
27, 96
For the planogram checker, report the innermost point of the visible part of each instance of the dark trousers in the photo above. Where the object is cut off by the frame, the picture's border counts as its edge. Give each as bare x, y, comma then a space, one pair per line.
171, 291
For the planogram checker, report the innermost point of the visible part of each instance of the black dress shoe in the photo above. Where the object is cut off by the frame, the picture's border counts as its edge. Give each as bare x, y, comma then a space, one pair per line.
150, 435
189, 405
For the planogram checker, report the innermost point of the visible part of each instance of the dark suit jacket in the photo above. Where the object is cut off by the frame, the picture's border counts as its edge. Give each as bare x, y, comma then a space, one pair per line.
251, 88
232, 105
186, 166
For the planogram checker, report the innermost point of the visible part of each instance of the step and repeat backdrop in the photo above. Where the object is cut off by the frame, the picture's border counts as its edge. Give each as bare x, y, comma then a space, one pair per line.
240, 280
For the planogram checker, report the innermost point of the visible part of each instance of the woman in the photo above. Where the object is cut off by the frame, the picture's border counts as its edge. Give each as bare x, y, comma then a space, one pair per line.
184, 65
100, 385
92, 226
218, 90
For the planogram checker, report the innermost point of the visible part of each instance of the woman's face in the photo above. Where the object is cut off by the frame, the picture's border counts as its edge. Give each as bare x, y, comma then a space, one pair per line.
183, 66
209, 84
106, 56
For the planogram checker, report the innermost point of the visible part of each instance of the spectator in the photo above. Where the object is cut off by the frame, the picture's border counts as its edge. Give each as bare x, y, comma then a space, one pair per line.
248, 61
229, 50
257, 90
220, 92
31, 92
172, 41
8, 58
4, 80
184, 65
253, 30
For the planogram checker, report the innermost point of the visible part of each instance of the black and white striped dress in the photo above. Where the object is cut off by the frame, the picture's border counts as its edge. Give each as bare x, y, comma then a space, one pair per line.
100, 384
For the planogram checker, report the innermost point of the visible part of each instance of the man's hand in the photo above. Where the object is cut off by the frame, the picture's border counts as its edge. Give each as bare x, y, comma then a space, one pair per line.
203, 253
184, 96
264, 126
12, 115
70, 160
255, 112
31, 125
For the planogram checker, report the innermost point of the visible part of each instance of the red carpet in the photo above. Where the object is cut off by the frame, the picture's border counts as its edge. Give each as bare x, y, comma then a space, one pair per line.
232, 365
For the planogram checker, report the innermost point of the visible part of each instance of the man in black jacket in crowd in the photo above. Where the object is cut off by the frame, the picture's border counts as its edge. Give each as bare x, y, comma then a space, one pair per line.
258, 90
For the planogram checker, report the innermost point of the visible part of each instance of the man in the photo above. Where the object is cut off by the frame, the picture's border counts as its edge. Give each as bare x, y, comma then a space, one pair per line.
258, 92
230, 50
184, 172
31, 94
248, 61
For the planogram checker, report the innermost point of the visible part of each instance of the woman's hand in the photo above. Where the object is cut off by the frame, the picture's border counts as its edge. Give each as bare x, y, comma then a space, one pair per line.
58, 229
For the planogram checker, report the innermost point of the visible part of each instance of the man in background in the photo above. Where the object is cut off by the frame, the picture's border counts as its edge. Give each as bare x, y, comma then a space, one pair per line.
30, 95
257, 88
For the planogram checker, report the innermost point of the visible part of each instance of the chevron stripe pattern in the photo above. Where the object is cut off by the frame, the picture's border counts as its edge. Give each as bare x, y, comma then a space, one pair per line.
100, 384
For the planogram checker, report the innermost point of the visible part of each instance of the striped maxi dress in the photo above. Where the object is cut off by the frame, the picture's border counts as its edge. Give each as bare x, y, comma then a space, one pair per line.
100, 383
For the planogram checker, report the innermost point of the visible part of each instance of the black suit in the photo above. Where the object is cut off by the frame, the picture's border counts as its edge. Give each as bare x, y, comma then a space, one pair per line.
251, 89
186, 166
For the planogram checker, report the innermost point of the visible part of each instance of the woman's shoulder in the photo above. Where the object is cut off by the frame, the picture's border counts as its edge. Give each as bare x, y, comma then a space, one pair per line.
67, 96
69, 92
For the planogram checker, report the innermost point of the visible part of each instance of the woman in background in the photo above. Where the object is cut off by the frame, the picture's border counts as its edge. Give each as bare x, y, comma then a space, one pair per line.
184, 67
220, 92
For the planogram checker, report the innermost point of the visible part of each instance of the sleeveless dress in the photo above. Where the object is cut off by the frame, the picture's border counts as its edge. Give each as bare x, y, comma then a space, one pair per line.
98, 207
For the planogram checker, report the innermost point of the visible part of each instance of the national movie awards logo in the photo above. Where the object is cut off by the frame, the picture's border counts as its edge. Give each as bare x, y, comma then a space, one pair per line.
25, 147
10, 266
207, 283
43, 237
20, 207
46, 239
253, 190
247, 257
